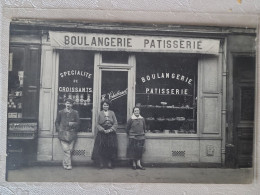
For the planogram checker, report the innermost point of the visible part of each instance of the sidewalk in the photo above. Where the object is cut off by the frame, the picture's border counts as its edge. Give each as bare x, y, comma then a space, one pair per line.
126, 174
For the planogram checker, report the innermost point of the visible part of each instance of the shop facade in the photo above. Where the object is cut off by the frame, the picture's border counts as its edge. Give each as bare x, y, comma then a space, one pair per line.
184, 79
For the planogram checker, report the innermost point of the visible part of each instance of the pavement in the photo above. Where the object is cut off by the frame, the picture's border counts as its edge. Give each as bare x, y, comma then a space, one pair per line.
126, 174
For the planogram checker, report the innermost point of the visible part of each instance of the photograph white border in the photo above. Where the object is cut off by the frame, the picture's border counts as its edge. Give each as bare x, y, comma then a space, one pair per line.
213, 13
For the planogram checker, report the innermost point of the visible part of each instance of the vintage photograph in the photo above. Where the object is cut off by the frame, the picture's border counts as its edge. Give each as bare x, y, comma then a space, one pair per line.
128, 102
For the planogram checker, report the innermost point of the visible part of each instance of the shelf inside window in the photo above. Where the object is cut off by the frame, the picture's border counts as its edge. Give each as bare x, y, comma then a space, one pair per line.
88, 104
86, 119
167, 107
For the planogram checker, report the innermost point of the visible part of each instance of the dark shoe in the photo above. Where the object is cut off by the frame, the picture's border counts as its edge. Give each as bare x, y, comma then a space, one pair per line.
101, 166
140, 167
134, 167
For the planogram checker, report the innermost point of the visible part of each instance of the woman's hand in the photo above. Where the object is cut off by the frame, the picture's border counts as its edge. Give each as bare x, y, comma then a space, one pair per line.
102, 130
108, 130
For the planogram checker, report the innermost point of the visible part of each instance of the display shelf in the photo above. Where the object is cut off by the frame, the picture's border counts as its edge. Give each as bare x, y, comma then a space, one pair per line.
167, 107
25, 119
14, 110
169, 121
175, 120
171, 133
86, 119
88, 104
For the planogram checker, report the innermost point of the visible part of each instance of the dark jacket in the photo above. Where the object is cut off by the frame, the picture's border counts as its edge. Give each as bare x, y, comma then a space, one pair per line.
63, 119
135, 128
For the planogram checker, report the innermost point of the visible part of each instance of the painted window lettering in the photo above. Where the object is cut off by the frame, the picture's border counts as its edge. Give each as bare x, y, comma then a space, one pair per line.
76, 73
167, 75
75, 89
166, 91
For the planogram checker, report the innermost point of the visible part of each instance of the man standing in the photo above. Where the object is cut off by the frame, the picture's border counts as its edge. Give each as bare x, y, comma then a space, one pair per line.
67, 124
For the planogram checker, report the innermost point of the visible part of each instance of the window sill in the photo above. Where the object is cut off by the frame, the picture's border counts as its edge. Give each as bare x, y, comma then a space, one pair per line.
81, 134
170, 135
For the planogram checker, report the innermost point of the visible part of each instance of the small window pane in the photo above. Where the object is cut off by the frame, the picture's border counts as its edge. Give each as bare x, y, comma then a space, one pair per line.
115, 57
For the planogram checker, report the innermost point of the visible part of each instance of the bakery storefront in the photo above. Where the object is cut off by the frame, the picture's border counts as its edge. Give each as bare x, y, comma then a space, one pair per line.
178, 80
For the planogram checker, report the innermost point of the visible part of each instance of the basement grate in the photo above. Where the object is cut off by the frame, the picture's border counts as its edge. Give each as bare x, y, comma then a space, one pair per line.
178, 153
79, 153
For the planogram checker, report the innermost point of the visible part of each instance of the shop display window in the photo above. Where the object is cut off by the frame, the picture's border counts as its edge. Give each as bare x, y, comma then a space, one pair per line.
23, 92
15, 85
166, 92
23, 82
76, 73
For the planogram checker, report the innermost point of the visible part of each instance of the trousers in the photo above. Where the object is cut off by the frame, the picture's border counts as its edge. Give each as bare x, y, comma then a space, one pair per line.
67, 149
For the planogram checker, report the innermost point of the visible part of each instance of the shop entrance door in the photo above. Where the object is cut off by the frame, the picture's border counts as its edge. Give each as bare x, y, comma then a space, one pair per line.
244, 92
114, 86
116, 81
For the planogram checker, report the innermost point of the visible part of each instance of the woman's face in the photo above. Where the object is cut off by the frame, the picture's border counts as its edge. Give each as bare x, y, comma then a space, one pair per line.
136, 112
105, 106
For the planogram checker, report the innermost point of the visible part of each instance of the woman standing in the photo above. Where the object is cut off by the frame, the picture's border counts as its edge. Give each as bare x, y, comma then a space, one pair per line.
105, 146
136, 133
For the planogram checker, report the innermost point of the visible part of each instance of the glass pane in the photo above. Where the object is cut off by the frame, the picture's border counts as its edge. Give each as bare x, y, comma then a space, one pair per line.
114, 87
24, 67
166, 91
16, 82
247, 103
76, 70
115, 57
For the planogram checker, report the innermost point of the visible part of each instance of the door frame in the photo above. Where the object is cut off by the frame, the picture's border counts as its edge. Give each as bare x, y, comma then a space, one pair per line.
99, 66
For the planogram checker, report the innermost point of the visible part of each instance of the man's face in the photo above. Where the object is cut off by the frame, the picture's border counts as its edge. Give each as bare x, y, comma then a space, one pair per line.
68, 105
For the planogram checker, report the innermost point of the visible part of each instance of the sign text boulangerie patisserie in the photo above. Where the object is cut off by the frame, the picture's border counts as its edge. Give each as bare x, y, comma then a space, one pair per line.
137, 43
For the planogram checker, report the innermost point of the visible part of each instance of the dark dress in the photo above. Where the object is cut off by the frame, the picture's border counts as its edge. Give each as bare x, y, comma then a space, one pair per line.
106, 144
136, 133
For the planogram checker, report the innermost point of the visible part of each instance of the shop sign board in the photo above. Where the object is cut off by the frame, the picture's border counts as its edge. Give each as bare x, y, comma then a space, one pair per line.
133, 43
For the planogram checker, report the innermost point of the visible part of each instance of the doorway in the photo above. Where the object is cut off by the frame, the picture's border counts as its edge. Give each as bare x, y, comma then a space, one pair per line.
244, 98
114, 87
115, 81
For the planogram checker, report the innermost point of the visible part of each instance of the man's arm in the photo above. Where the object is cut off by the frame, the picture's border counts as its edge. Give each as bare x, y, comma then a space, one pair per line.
57, 122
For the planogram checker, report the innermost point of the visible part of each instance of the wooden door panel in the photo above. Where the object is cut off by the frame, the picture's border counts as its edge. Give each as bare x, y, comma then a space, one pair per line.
31, 82
244, 92
209, 96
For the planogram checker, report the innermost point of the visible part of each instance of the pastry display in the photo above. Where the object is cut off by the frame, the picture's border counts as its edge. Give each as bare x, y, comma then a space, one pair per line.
161, 119
169, 114
170, 119
180, 118
163, 103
